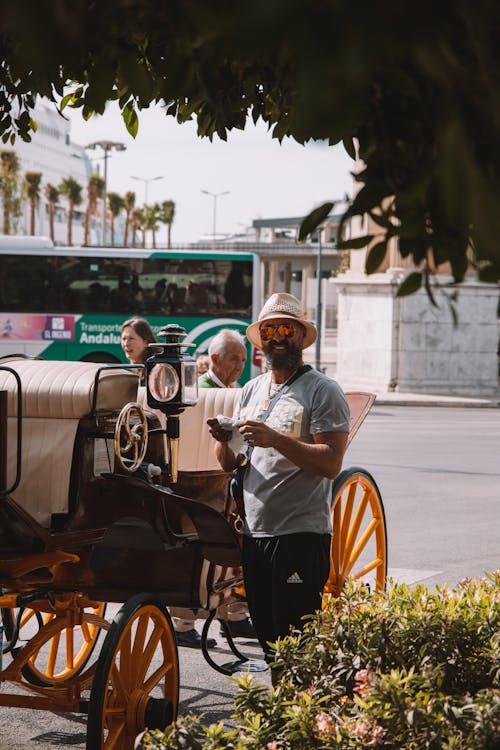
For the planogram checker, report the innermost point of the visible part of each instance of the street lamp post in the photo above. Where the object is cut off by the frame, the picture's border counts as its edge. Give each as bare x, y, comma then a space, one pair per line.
319, 306
146, 181
106, 146
214, 220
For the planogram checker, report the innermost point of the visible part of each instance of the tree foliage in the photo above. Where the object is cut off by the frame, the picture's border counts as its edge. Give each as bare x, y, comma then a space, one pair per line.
72, 190
52, 193
416, 85
411, 668
9, 189
167, 214
31, 186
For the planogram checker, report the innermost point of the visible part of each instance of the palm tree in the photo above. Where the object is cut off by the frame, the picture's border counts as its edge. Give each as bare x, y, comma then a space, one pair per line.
73, 192
129, 203
167, 217
32, 182
116, 203
9, 187
95, 190
52, 194
136, 222
152, 217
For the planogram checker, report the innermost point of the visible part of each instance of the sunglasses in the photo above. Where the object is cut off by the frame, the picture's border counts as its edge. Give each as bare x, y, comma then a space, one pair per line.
286, 330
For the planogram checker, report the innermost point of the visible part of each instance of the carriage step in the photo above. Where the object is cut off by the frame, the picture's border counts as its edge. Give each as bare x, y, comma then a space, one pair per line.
247, 665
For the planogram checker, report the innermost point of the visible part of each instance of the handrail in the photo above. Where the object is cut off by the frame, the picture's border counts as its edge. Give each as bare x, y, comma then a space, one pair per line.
3, 437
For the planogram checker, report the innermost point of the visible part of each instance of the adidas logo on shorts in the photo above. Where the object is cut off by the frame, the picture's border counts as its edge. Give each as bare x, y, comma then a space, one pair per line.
294, 578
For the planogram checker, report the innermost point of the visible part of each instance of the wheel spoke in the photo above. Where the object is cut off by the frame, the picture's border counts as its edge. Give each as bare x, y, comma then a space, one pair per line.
355, 526
149, 653
373, 565
155, 678
360, 546
26, 617
140, 639
114, 735
87, 632
125, 651
118, 683
70, 648
54, 649
347, 512
359, 543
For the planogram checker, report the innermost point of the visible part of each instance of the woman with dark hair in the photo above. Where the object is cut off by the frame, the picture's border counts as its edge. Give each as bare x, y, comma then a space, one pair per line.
136, 335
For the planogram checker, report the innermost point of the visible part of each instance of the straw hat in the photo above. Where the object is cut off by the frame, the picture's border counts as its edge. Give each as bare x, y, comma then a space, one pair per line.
280, 306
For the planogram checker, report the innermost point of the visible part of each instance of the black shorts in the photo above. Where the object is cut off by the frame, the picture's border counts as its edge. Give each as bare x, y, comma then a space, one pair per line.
284, 580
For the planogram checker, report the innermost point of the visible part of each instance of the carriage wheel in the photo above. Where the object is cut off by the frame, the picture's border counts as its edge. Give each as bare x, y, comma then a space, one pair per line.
136, 684
66, 650
359, 546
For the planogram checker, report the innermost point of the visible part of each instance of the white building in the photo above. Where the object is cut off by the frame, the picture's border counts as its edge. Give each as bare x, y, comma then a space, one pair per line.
52, 153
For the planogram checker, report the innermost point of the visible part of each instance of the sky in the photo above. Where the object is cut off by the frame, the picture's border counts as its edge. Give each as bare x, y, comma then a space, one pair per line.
264, 179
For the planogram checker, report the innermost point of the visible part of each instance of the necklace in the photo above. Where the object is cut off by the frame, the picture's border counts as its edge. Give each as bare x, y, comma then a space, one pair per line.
275, 388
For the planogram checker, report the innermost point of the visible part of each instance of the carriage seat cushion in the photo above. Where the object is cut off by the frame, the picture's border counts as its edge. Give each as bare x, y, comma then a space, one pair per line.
196, 445
65, 390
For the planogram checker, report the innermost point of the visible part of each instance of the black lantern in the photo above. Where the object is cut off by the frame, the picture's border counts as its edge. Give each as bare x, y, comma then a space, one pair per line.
171, 375
171, 385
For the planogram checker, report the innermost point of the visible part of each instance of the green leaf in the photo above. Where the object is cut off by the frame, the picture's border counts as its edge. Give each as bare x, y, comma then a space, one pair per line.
350, 147
65, 101
410, 285
132, 123
382, 220
375, 257
355, 243
314, 219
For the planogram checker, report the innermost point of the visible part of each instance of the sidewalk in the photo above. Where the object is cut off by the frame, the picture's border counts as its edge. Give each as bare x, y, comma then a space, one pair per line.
427, 399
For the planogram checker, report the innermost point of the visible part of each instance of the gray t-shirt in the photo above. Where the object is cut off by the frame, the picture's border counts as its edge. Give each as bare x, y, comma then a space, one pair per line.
279, 497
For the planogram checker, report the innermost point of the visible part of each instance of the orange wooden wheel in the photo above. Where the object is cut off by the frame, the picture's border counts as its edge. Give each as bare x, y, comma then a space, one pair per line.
136, 684
66, 649
359, 542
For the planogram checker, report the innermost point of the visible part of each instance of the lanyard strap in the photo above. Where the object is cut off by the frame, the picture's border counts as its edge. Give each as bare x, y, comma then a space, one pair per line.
272, 403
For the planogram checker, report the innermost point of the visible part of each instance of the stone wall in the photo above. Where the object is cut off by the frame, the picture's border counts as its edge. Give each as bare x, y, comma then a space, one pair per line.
406, 344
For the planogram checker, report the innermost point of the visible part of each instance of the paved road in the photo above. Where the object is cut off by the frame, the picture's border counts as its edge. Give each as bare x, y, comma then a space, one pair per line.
438, 470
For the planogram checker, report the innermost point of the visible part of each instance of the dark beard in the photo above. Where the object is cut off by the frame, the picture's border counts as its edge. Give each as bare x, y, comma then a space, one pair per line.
287, 360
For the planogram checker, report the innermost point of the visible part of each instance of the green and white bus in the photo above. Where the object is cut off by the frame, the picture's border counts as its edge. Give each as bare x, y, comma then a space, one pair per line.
68, 303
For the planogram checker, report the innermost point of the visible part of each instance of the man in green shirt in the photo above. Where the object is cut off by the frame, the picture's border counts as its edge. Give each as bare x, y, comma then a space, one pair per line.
228, 354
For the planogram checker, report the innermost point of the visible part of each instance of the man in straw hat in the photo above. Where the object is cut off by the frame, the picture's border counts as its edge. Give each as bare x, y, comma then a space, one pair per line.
295, 421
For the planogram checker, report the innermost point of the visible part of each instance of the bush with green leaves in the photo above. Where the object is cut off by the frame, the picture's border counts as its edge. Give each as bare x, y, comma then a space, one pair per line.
410, 668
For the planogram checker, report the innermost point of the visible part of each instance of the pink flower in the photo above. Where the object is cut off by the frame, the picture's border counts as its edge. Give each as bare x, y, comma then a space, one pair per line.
361, 729
324, 726
377, 735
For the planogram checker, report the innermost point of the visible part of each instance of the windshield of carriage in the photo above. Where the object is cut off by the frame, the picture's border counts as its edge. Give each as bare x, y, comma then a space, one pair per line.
149, 286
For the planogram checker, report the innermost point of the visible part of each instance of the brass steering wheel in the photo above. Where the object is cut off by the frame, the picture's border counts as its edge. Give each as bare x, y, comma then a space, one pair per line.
131, 437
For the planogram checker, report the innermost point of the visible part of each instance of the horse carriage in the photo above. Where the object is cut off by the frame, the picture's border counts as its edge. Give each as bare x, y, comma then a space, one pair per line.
106, 500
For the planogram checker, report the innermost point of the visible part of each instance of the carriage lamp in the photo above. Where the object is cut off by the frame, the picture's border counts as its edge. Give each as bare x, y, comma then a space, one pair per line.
171, 384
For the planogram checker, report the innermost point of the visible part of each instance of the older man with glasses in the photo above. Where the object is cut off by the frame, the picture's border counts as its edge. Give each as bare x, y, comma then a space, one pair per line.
295, 421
